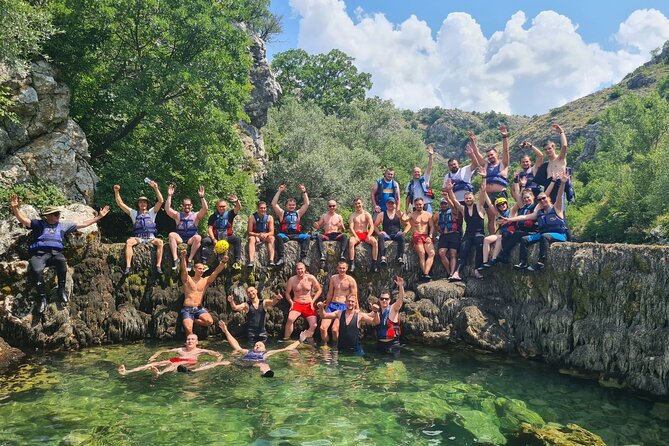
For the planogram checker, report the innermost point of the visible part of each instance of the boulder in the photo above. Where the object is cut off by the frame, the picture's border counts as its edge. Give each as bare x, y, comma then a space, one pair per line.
9, 356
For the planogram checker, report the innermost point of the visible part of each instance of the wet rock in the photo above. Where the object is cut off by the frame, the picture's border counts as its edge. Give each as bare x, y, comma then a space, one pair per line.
9, 356
553, 434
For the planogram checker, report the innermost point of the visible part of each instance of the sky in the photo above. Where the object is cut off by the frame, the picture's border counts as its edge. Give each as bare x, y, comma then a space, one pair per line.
520, 57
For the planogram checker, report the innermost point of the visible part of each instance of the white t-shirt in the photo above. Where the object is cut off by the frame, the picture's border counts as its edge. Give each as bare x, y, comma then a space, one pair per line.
152, 215
463, 174
418, 190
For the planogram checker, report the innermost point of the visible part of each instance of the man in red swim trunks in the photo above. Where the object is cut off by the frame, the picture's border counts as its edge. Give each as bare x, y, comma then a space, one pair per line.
186, 356
302, 290
422, 226
362, 227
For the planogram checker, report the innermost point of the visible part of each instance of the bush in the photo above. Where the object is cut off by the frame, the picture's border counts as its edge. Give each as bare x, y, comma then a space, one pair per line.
38, 193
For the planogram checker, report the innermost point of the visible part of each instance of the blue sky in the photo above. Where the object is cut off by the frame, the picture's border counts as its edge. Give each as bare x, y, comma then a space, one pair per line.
480, 55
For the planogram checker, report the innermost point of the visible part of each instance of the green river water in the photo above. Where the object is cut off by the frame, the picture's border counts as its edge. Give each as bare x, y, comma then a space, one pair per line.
317, 398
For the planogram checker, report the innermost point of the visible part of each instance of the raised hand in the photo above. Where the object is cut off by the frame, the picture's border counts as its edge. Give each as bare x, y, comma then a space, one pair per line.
225, 258
503, 131
230, 298
557, 128
430, 150
200, 191
282, 187
14, 201
233, 198
104, 211
482, 172
448, 185
564, 176
375, 307
116, 188
556, 176
525, 144
302, 188
182, 253
470, 135
399, 281
469, 149
170, 189
153, 185
523, 181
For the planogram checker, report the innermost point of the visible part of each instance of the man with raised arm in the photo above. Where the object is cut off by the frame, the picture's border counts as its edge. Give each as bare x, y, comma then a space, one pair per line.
187, 221
350, 321
390, 222
46, 249
461, 177
529, 170
448, 224
256, 310
333, 230
260, 229
219, 227
422, 226
385, 188
143, 225
340, 286
302, 290
290, 223
362, 227
387, 321
556, 164
186, 356
496, 172
419, 186
194, 288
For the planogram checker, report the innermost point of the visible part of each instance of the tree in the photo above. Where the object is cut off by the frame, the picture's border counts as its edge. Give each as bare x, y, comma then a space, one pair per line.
330, 80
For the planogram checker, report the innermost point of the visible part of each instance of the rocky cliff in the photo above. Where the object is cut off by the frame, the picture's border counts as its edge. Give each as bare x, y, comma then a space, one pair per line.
597, 308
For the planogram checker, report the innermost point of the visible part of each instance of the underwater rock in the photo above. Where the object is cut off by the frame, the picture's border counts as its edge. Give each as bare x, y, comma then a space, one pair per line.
9, 356
553, 434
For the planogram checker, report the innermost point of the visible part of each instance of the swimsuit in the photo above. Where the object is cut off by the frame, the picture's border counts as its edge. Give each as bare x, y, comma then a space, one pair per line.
193, 312
420, 238
305, 309
334, 306
362, 236
191, 360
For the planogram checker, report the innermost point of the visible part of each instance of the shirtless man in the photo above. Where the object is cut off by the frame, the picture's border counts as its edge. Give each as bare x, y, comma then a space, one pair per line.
260, 229
349, 325
333, 229
527, 169
556, 164
341, 285
256, 310
143, 225
497, 172
362, 227
194, 288
187, 221
186, 356
422, 226
302, 290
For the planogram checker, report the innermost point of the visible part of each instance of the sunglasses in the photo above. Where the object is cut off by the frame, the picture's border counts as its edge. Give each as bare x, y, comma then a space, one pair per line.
384, 298
542, 198
332, 205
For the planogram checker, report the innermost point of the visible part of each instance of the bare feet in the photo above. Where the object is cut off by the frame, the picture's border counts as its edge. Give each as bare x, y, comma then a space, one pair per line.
304, 335
154, 371
121, 369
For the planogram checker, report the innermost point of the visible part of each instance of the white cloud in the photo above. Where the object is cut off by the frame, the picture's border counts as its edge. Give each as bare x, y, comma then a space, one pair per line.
525, 68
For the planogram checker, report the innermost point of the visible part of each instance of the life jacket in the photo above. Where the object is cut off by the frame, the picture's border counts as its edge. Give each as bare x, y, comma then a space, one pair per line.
508, 228
186, 227
458, 183
446, 222
493, 175
144, 226
549, 221
526, 225
388, 329
290, 223
47, 236
384, 191
260, 222
424, 185
254, 356
223, 223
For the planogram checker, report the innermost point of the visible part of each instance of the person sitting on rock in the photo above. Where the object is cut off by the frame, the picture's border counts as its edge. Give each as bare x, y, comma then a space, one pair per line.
187, 222
550, 222
362, 227
333, 230
448, 224
186, 356
256, 310
461, 177
390, 221
340, 286
385, 188
143, 225
524, 206
529, 170
260, 229
419, 186
350, 321
219, 227
302, 290
192, 311
387, 321
290, 223
422, 226
501, 206
46, 249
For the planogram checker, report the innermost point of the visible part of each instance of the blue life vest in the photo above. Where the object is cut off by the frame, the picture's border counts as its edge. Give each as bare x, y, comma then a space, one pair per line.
493, 175
222, 224
384, 191
290, 224
549, 221
144, 226
459, 184
186, 227
425, 186
388, 329
446, 222
254, 356
526, 225
47, 236
508, 228
261, 223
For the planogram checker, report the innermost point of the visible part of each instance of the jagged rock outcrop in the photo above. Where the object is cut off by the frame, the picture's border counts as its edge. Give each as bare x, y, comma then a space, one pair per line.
9, 356
43, 142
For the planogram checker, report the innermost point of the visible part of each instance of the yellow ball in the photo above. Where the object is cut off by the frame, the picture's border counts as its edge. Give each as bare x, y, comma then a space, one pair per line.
221, 246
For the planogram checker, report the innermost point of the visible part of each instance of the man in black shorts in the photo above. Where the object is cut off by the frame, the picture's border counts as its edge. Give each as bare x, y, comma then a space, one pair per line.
448, 222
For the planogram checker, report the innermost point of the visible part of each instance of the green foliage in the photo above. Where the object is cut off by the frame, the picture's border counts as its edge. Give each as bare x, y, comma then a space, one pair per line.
23, 30
330, 80
38, 193
616, 92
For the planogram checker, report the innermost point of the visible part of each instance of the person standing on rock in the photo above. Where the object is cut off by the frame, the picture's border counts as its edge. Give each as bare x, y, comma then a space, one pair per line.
260, 229
256, 310
302, 290
350, 321
448, 224
390, 221
333, 227
529, 170
387, 321
384, 189
422, 226
143, 225
219, 227
461, 177
362, 227
187, 221
556, 164
194, 288
340, 286
290, 224
419, 186
46, 249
